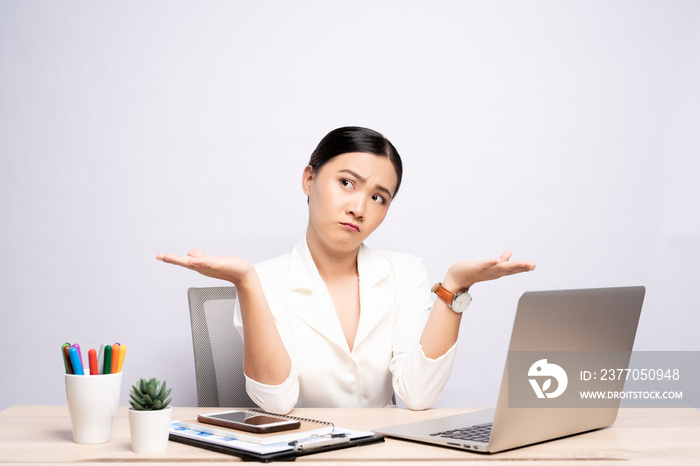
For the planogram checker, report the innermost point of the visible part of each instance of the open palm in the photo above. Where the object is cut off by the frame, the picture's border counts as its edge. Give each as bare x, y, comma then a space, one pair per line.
469, 272
228, 268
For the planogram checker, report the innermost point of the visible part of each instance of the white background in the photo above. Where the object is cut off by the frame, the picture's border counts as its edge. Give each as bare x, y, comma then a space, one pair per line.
566, 131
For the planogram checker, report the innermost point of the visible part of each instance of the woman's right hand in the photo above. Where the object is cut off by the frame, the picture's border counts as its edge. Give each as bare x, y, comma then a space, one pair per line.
228, 268
265, 358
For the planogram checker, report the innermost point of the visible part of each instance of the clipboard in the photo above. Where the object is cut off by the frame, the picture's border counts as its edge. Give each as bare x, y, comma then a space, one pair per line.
340, 438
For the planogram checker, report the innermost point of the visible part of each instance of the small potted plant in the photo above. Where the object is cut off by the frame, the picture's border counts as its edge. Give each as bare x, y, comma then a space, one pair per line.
149, 416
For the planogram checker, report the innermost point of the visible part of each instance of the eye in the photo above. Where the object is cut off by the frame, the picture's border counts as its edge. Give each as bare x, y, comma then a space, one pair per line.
347, 183
378, 199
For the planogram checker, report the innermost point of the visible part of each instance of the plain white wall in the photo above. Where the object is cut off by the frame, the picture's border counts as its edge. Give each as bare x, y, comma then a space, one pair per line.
565, 131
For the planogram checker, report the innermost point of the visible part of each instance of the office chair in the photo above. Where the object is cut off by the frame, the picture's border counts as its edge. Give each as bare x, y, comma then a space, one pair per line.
218, 348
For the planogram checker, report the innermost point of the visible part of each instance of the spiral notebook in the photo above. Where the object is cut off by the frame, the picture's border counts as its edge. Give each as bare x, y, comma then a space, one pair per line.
316, 437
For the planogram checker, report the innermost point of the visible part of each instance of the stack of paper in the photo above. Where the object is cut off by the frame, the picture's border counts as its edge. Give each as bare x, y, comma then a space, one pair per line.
306, 430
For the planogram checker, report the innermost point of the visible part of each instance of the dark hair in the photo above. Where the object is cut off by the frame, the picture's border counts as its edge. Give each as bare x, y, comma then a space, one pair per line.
356, 139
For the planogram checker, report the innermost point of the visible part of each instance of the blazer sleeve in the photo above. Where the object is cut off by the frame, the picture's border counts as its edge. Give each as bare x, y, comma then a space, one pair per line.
417, 379
282, 398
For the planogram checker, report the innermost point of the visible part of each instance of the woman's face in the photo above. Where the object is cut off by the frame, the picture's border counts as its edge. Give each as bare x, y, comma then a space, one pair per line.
349, 197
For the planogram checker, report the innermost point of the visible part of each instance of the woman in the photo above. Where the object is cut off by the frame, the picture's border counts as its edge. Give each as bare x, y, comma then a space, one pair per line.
334, 323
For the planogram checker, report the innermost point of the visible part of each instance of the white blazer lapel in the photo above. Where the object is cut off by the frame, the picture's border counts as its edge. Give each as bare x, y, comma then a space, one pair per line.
309, 297
376, 296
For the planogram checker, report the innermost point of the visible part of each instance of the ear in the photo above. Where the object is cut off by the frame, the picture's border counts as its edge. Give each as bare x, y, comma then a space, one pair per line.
307, 179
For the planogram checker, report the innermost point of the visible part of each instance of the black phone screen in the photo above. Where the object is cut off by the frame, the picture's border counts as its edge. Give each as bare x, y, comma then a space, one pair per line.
248, 418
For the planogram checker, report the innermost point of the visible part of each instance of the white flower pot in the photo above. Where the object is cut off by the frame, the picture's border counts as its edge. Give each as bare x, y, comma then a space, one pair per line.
150, 430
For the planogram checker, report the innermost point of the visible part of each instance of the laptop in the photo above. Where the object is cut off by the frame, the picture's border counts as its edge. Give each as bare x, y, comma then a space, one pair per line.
592, 326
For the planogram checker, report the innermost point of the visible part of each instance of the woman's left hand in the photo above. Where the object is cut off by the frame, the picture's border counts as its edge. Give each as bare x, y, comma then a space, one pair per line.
462, 275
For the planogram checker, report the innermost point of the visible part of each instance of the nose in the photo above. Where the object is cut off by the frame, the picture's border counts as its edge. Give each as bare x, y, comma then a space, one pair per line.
356, 207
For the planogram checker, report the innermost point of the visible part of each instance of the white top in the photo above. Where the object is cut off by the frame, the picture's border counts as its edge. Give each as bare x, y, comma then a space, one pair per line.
395, 303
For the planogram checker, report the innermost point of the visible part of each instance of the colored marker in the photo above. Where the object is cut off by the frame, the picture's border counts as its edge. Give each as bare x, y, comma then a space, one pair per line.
92, 357
122, 353
108, 360
75, 361
101, 359
66, 359
80, 355
115, 357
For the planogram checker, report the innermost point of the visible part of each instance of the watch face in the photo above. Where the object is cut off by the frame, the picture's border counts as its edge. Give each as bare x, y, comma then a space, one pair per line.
461, 302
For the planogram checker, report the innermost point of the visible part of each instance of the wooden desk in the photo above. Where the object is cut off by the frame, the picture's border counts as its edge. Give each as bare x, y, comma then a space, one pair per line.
42, 434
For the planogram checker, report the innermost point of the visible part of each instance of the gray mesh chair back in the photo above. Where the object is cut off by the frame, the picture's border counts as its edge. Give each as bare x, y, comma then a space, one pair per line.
218, 348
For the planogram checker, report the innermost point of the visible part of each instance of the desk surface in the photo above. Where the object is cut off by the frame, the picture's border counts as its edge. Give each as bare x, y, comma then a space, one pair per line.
42, 434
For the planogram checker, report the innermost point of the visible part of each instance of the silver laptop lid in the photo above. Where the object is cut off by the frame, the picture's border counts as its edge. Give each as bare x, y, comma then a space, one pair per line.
557, 322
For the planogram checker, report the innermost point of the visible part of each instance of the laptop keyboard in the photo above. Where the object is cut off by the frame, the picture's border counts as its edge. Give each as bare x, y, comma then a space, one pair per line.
478, 433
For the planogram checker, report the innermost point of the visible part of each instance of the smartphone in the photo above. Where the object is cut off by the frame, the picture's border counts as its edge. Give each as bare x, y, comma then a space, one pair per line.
249, 422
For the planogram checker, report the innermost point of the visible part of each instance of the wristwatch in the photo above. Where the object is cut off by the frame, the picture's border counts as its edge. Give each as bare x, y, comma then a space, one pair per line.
458, 302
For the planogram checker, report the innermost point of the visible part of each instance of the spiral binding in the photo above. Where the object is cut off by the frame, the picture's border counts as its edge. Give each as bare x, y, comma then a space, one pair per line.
293, 418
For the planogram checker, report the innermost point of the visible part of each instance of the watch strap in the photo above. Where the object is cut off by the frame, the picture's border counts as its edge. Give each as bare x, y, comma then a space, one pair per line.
443, 293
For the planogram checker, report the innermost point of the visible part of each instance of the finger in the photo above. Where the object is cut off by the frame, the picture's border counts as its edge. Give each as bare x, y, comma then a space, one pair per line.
174, 259
505, 257
519, 266
162, 256
195, 253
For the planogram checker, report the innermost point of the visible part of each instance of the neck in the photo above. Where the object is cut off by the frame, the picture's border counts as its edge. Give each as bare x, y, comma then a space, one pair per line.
331, 263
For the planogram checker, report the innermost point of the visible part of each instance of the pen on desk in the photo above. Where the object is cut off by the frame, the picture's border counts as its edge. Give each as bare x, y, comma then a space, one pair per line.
75, 361
122, 354
108, 360
66, 358
315, 442
80, 355
101, 359
92, 358
115, 357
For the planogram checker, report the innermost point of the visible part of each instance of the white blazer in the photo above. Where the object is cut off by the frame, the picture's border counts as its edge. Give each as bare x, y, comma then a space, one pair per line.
395, 303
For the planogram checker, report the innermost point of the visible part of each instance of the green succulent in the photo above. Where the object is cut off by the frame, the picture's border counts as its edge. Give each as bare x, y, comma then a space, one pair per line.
149, 395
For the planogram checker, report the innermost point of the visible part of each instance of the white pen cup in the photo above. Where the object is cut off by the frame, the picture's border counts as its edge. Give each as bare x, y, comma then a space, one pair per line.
92, 402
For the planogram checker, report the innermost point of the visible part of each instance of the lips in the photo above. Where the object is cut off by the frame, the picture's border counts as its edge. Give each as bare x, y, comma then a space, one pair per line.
350, 226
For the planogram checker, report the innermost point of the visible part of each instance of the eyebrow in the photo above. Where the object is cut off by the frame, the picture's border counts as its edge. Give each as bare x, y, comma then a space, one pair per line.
364, 180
